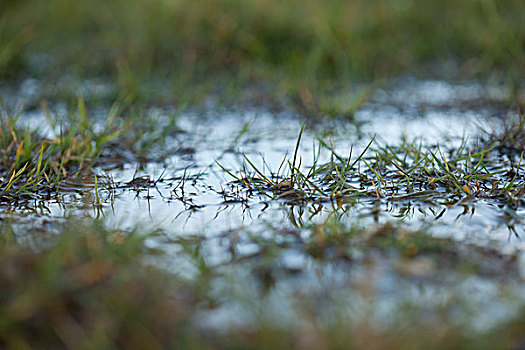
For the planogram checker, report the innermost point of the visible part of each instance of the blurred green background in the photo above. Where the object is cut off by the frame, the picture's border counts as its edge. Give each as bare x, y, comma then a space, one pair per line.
263, 40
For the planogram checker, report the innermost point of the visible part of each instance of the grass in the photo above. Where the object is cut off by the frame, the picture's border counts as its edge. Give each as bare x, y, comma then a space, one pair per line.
31, 163
511, 137
409, 171
35, 166
88, 289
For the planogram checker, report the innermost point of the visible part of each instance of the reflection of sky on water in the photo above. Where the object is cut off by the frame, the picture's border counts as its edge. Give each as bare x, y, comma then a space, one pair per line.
378, 289
268, 139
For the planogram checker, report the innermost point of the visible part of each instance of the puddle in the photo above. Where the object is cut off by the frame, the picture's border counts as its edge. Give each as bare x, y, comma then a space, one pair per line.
190, 195
213, 206
210, 205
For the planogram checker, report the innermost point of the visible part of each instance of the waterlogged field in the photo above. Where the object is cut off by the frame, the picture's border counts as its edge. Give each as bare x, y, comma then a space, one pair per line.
253, 174
269, 229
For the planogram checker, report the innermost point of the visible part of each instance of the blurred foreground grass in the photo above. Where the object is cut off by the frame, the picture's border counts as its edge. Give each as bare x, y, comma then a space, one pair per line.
292, 43
90, 287
89, 290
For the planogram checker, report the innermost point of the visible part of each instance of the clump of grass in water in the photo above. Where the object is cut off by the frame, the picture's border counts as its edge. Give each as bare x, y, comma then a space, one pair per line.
317, 105
511, 137
409, 171
32, 165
